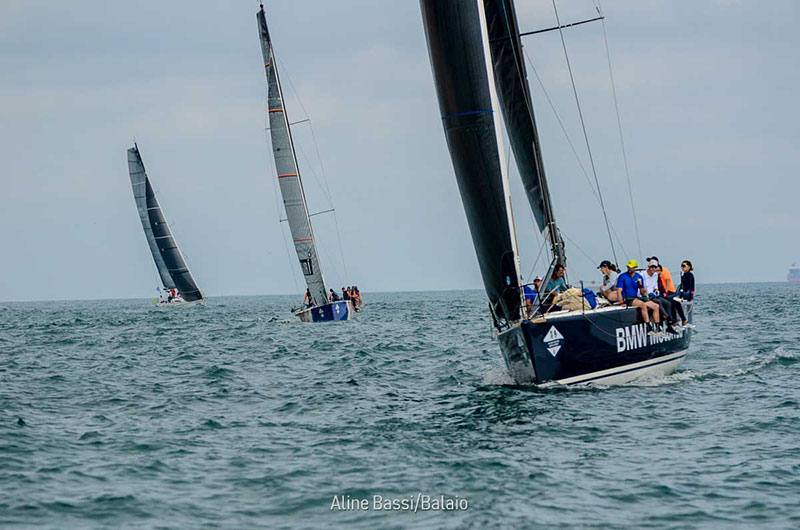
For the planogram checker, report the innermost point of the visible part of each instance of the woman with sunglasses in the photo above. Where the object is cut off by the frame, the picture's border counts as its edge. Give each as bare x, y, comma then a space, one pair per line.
686, 288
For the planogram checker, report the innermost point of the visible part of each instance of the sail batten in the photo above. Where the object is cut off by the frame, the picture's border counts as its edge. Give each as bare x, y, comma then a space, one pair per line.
458, 52
170, 264
288, 174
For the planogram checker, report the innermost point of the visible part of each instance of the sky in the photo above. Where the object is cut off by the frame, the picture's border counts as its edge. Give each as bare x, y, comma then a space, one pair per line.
707, 95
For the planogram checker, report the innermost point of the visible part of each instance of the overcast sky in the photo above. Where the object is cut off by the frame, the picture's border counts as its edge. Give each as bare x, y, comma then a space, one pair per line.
708, 95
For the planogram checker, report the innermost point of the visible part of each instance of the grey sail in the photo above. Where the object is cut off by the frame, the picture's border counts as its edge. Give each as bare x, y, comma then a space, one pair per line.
458, 54
169, 262
511, 81
294, 199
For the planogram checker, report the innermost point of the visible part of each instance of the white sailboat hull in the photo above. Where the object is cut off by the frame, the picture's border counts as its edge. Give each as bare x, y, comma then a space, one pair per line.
179, 303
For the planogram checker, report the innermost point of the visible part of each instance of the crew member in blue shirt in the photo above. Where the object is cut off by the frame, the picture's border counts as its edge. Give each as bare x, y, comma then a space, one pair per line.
530, 295
555, 285
633, 294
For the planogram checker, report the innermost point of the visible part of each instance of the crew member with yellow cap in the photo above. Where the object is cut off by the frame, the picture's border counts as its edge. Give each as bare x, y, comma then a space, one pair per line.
633, 293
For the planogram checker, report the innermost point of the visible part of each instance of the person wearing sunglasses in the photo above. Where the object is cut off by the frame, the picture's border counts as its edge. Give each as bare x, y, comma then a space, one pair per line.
652, 284
671, 308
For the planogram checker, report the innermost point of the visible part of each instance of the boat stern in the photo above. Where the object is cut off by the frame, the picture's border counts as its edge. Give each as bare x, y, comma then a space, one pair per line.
333, 311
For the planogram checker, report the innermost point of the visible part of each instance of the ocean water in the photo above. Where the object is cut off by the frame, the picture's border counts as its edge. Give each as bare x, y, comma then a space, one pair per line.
115, 414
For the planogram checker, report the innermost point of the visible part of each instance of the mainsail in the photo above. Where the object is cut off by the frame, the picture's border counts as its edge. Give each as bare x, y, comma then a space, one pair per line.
294, 199
458, 49
511, 81
170, 264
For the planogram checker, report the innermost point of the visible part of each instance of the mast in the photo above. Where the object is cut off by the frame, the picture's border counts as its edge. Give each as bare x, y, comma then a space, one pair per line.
291, 185
511, 81
459, 51
171, 265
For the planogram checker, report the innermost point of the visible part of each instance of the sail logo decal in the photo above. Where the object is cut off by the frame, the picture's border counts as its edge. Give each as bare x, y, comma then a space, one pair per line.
305, 264
553, 340
633, 337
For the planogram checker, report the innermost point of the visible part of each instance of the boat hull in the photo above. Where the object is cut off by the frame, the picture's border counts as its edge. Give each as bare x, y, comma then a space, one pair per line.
609, 346
179, 303
333, 311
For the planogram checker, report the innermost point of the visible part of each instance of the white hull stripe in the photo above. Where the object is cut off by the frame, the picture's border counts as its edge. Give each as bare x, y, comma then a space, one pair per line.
622, 369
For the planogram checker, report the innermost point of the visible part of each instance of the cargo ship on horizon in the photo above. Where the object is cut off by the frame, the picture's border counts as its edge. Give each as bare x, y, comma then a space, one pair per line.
794, 273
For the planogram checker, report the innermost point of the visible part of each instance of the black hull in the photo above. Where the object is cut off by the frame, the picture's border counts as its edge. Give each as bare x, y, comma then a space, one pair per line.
607, 346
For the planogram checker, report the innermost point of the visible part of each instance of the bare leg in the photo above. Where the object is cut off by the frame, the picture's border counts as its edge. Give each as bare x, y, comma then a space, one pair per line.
656, 311
642, 309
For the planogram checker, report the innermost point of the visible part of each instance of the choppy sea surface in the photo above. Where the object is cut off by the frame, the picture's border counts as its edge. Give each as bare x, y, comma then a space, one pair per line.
115, 414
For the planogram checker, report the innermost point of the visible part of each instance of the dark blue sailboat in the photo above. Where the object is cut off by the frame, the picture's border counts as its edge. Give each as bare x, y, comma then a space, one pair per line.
317, 306
476, 58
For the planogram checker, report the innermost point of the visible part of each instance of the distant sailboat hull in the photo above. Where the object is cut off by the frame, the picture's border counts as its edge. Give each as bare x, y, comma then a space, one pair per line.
608, 346
333, 311
178, 302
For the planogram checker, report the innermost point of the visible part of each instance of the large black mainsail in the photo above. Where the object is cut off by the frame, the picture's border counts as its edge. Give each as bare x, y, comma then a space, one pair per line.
474, 50
511, 81
291, 185
458, 49
169, 261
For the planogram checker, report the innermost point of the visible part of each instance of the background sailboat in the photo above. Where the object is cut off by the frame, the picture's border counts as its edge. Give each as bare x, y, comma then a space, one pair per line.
476, 58
321, 307
170, 264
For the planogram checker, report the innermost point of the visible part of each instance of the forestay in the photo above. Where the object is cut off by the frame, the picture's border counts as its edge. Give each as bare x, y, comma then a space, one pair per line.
294, 200
169, 262
458, 50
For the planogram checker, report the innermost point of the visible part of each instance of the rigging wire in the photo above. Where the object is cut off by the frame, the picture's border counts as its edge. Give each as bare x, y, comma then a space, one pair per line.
569, 142
619, 126
530, 210
535, 263
595, 191
561, 124
585, 134
321, 165
591, 259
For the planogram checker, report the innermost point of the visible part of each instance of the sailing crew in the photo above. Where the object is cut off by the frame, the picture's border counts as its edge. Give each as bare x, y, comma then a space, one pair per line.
686, 288
530, 295
555, 285
653, 284
667, 291
665, 285
608, 289
308, 300
345, 294
633, 293
651, 278
333, 296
